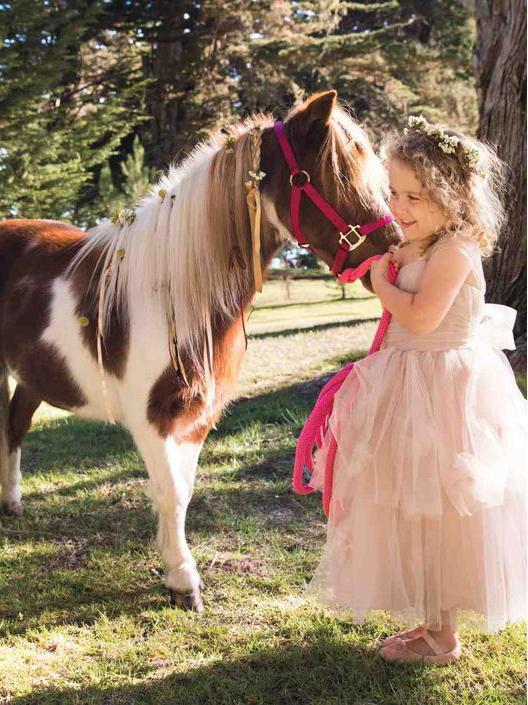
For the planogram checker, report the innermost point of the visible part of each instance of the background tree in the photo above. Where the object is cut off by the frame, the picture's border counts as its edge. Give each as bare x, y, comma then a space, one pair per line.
67, 98
385, 59
78, 78
135, 181
501, 80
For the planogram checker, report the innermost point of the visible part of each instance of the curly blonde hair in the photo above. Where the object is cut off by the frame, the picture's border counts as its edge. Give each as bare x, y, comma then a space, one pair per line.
471, 197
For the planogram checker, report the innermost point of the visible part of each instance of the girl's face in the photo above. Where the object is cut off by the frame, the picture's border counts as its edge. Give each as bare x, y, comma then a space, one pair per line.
417, 215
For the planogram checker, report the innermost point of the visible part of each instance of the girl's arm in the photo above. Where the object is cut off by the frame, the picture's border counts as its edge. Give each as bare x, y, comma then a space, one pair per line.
442, 279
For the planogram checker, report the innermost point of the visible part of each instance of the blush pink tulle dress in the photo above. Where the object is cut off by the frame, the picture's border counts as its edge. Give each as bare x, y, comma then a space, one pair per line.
428, 511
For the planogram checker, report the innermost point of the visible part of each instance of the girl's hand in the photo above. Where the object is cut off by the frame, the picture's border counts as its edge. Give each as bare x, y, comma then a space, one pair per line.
379, 270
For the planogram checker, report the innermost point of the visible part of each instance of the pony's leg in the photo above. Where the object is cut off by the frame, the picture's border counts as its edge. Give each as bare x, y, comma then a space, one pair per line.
21, 409
171, 466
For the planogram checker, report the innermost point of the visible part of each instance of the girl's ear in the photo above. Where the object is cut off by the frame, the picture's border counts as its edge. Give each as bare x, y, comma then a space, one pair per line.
313, 116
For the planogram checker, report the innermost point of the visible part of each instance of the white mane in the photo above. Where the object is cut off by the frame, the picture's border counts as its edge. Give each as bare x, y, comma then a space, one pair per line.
171, 249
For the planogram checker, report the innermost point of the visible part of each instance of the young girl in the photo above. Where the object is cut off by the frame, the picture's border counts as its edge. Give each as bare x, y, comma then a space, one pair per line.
427, 517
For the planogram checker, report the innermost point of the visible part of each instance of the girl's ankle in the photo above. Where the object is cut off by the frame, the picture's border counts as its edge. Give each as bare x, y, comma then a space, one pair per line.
446, 638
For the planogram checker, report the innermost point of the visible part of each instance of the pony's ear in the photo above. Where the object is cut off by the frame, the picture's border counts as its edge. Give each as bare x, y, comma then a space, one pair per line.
314, 112
320, 106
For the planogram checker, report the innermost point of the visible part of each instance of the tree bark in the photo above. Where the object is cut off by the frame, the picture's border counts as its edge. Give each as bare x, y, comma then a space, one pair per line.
168, 93
500, 63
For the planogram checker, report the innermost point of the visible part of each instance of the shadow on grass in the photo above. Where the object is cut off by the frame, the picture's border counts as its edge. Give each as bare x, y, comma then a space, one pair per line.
271, 307
75, 443
326, 670
109, 514
315, 328
289, 405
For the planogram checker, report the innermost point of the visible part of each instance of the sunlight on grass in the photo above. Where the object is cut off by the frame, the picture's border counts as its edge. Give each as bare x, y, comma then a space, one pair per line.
84, 618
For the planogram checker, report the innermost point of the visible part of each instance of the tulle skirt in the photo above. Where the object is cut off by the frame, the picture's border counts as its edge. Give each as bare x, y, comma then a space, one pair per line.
428, 510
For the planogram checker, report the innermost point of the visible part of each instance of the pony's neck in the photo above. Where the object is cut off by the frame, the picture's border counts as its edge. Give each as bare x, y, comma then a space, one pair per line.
270, 244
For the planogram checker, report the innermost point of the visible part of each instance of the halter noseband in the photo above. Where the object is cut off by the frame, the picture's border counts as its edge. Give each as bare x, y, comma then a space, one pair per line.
300, 182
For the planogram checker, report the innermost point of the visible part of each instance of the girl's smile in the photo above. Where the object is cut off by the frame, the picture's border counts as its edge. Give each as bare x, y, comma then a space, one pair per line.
417, 215
404, 224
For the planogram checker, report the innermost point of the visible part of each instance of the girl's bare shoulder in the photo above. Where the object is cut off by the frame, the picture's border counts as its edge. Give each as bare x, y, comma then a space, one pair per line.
462, 243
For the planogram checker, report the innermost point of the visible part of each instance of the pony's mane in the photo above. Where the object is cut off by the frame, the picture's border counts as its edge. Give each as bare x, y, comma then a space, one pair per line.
190, 248
181, 248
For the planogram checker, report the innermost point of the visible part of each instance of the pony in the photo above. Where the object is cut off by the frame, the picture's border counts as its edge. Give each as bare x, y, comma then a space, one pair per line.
142, 319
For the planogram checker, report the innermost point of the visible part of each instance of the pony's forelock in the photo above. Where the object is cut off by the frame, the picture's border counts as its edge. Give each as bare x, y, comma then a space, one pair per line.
354, 169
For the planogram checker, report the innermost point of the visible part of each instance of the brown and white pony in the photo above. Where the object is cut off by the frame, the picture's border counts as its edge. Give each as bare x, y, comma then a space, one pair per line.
187, 251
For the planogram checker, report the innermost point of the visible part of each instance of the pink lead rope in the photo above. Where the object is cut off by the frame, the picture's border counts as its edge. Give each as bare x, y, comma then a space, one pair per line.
316, 426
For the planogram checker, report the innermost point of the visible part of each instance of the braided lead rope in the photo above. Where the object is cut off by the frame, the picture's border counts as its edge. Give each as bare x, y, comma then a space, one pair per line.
254, 204
118, 255
174, 351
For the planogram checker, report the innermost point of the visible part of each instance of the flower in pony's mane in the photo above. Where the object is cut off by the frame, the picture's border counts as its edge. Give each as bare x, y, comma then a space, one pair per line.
229, 143
257, 175
126, 216
449, 144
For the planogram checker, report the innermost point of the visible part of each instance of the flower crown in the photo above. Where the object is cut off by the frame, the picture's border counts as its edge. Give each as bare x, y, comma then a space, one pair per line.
449, 144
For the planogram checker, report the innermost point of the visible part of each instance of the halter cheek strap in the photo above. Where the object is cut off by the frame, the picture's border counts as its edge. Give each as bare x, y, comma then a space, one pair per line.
300, 183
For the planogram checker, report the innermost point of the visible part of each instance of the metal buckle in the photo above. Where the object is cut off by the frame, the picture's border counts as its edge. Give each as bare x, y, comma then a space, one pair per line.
306, 181
343, 237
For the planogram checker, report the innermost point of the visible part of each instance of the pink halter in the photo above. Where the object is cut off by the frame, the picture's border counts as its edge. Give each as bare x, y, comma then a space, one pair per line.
300, 182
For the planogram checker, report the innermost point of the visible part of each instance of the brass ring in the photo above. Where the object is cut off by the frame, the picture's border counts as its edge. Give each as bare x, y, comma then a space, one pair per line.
306, 174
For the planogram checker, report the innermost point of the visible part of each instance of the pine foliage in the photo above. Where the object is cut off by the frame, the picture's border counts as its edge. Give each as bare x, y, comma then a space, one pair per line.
64, 105
79, 80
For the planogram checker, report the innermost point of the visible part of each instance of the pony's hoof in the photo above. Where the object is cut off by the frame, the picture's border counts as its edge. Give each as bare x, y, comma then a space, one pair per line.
11, 508
186, 600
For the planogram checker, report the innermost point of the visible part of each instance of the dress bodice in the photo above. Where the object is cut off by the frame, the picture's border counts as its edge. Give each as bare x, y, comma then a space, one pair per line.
462, 323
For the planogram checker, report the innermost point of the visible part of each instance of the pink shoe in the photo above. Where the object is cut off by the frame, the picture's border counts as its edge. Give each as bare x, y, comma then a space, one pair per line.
415, 633
399, 652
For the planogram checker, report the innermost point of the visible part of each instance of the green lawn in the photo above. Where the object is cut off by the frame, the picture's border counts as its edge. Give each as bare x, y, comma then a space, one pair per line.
84, 618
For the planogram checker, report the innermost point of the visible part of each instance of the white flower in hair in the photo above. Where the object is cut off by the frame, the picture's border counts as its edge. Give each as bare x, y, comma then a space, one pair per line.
257, 175
418, 123
472, 157
125, 216
449, 144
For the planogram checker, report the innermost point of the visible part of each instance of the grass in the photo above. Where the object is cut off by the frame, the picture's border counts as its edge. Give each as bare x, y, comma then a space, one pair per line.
83, 614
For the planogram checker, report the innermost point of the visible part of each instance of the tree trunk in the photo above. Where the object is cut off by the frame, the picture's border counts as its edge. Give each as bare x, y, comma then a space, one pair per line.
501, 82
168, 94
